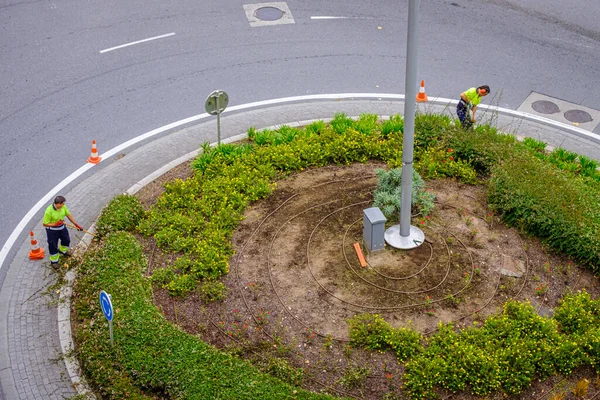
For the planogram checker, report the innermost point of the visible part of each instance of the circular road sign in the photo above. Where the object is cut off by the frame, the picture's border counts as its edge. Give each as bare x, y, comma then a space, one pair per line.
216, 102
106, 305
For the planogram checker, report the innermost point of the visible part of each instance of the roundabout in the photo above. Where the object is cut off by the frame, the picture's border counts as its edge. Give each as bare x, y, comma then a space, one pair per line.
135, 171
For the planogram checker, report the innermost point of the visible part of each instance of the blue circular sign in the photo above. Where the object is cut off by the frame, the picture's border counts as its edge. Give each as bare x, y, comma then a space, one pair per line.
106, 305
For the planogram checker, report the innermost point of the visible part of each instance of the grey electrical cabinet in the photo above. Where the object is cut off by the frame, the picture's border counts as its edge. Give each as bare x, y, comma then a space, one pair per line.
374, 228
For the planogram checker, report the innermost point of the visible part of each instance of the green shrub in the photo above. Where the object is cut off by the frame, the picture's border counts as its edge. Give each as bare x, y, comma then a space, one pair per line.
507, 352
340, 123
393, 125
355, 377
373, 332
482, 148
224, 153
281, 369
122, 213
315, 128
366, 123
577, 313
213, 291
553, 205
388, 193
437, 163
538, 147
430, 128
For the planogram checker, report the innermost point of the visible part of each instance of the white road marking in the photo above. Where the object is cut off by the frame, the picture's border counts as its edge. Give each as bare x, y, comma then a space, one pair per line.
44, 201
571, 42
137, 42
327, 17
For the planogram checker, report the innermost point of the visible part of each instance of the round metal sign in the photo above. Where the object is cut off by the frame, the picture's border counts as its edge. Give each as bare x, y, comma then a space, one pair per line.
106, 305
216, 102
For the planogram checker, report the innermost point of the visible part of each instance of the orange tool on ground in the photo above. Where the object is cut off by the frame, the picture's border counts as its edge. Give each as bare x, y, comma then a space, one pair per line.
360, 255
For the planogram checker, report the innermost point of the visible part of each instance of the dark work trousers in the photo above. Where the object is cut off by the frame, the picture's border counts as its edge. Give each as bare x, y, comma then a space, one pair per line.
53, 237
462, 110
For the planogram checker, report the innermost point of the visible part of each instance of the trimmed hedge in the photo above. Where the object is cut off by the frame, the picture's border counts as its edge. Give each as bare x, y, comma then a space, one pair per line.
556, 206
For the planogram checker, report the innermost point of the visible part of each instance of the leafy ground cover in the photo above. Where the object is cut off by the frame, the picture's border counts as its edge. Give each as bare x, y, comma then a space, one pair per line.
293, 301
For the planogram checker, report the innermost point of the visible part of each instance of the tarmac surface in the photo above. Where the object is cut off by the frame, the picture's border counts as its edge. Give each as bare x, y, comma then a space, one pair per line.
32, 364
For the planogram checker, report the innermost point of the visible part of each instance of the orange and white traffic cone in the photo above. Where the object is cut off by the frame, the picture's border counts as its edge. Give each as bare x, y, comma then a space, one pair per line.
421, 96
94, 159
36, 253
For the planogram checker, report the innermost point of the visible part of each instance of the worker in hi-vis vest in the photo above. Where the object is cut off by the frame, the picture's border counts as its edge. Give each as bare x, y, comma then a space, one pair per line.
56, 231
469, 100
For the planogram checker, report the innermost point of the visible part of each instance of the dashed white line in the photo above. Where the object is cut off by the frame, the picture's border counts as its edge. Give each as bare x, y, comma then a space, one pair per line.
327, 17
136, 42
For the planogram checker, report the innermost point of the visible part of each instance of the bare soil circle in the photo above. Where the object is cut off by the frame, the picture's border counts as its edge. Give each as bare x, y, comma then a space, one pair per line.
296, 279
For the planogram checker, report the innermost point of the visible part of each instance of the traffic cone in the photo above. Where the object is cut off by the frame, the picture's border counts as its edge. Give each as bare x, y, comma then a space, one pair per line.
421, 96
94, 159
36, 253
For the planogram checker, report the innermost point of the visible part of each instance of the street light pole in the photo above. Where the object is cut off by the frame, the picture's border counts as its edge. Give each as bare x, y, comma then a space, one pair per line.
404, 235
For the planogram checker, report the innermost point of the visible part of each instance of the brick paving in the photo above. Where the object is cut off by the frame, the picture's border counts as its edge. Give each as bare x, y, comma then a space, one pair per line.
31, 362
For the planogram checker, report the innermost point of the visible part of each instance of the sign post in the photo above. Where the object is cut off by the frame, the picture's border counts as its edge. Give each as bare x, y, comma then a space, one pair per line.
107, 310
215, 104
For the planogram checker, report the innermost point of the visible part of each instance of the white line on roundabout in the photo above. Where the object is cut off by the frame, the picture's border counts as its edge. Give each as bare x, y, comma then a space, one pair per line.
337, 96
137, 42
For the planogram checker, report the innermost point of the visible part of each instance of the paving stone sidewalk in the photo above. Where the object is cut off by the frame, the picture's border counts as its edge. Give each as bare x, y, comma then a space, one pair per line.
31, 363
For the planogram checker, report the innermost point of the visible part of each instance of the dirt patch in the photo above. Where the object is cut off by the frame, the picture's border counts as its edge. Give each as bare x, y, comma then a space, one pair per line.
296, 279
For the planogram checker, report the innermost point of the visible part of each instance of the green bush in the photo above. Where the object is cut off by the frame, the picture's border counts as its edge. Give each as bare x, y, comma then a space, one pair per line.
122, 213
280, 368
538, 147
507, 352
340, 123
393, 125
437, 163
482, 148
553, 205
373, 332
224, 153
388, 193
430, 128
213, 291
566, 160
578, 313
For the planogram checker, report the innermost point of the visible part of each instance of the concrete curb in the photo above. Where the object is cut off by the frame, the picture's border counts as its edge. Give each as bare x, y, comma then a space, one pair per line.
65, 333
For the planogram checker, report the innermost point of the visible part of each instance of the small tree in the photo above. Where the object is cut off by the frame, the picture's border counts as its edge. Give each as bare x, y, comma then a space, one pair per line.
389, 190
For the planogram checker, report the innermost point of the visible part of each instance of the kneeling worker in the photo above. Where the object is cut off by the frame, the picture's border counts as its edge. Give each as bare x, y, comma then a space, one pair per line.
56, 230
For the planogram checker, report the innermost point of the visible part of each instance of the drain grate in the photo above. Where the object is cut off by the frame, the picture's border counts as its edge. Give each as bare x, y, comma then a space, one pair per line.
268, 13
545, 107
579, 116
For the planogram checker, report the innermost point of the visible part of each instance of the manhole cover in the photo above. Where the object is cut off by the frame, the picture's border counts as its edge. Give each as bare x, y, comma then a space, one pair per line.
268, 13
545, 107
578, 116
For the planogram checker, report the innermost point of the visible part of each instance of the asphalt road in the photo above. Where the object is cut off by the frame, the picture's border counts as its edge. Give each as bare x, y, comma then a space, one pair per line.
59, 90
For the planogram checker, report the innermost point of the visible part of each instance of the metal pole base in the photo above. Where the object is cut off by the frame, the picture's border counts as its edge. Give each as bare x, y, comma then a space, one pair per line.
415, 238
